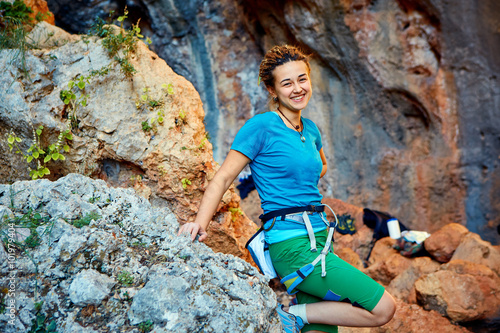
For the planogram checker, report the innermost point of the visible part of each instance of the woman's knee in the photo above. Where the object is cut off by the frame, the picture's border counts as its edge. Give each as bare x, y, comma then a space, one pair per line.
385, 309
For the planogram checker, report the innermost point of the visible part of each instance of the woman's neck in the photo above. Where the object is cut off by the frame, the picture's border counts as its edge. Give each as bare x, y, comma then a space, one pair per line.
290, 116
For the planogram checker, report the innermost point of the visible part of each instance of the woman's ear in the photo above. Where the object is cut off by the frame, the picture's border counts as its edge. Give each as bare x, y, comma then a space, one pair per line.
271, 91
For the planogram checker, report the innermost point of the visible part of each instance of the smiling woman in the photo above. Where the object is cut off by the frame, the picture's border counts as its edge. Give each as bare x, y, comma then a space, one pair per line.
285, 154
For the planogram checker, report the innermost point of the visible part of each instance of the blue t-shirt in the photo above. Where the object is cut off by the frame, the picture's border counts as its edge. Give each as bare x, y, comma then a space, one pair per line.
286, 170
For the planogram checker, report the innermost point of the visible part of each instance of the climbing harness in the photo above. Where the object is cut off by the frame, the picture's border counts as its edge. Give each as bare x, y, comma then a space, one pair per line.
259, 249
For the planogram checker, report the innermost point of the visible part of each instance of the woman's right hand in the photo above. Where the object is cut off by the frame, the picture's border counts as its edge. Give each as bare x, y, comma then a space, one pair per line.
194, 229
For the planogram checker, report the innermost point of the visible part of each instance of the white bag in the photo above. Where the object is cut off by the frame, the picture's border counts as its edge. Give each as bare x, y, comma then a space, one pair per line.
259, 250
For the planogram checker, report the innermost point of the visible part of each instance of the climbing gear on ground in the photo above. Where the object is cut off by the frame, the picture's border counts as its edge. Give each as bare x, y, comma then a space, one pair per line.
377, 221
346, 225
296, 127
291, 323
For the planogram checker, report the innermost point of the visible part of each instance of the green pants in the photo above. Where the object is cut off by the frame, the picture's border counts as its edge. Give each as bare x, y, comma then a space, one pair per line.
343, 282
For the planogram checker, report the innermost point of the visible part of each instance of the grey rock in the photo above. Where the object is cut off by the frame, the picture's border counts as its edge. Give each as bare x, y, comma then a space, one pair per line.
90, 287
127, 267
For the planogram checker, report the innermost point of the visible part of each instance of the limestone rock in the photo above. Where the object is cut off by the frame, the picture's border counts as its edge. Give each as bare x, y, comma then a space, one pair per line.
170, 164
443, 243
90, 287
127, 266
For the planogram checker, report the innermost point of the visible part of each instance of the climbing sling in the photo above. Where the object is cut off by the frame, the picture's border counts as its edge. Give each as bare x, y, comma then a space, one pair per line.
259, 249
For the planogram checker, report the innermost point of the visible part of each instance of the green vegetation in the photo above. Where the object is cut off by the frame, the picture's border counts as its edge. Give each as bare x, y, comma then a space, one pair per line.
40, 322
146, 326
185, 182
15, 24
148, 103
120, 46
85, 220
235, 212
38, 154
125, 278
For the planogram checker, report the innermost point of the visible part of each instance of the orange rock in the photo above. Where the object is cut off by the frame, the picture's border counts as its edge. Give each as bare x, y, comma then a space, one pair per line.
457, 296
443, 243
40, 6
351, 257
474, 249
387, 268
402, 286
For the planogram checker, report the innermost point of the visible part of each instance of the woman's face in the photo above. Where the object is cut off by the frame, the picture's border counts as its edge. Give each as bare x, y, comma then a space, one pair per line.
292, 86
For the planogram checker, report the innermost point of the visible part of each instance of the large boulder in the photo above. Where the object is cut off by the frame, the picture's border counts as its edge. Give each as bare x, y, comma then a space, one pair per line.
99, 258
474, 249
443, 243
462, 291
117, 135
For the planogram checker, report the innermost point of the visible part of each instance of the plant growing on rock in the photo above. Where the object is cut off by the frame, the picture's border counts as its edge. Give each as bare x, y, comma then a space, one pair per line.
120, 46
146, 102
41, 156
15, 24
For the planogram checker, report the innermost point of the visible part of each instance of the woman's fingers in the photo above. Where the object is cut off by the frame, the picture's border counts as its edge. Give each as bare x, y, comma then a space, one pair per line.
193, 229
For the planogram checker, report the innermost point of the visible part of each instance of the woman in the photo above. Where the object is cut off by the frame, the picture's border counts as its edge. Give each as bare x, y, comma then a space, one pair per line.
286, 157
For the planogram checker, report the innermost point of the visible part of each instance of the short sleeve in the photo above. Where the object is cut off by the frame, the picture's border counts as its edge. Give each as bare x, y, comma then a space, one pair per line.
316, 134
250, 138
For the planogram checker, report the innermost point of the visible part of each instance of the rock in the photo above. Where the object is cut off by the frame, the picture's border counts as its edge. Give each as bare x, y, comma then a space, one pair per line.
402, 286
442, 243
463, 291
487, 280
170, 164
350, 257
90, 287
474, 249
411, 318
40, 7
127, 266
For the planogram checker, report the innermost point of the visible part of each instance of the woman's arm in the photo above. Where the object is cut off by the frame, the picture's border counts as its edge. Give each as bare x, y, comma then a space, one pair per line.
323, 159
232, 166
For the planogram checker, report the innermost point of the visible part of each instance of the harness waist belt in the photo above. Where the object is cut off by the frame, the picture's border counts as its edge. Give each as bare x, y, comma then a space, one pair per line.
291, 210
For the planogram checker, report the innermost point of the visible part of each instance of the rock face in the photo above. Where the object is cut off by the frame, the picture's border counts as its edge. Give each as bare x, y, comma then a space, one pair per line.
118, 135
123, 267
406, 127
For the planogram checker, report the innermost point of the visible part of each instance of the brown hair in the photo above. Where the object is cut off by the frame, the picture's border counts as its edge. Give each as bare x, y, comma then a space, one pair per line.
279, 55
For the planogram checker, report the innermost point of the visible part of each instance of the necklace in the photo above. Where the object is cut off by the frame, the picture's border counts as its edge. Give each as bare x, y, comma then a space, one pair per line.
296, 127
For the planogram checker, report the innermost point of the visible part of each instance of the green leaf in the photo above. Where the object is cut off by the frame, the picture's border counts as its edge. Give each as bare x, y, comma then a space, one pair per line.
164, 86
84, 102
71, 84
55, 156
11, 139
69, 136
148, 40
18, 139
61, 157
52, 326
36, 154
45, 171
66, 101
144, 97
39, 132
47, 158
81, 84
29, 159
52, 147
66, 148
